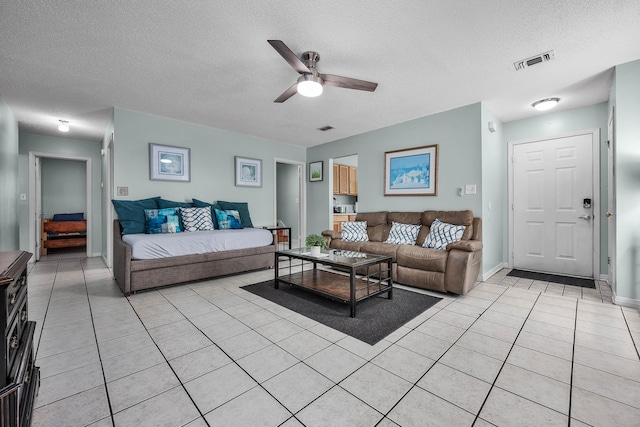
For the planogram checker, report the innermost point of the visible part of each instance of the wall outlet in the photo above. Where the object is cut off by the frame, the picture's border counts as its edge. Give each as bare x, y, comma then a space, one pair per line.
470, 189
123, 191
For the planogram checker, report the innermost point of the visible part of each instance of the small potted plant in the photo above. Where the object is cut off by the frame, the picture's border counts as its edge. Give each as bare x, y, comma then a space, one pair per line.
316, 243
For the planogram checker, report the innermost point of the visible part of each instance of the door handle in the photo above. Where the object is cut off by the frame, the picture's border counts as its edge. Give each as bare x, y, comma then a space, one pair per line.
587, 217
608, 214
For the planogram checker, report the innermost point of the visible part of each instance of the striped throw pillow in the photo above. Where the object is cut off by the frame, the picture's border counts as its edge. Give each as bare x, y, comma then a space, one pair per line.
403, 234
355, 231
442, 233
196, 219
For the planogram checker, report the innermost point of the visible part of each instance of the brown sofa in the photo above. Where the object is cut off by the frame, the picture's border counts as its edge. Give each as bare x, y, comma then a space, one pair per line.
135, 275
452, 270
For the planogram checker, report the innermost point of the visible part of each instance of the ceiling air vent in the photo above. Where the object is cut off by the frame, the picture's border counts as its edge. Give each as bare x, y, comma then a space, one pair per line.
534, 60
325, 128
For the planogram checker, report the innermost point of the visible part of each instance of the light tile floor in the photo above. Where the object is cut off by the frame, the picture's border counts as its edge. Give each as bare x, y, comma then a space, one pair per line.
511, 352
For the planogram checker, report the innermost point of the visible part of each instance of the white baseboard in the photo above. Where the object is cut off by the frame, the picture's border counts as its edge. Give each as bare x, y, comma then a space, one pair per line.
604, 278
626, 302
484, 276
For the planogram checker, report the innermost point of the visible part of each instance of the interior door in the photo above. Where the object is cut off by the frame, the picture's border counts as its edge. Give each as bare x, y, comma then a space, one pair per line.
611, 203
553, 199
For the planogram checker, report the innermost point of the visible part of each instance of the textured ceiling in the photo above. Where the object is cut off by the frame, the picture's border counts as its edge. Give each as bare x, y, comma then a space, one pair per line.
208, 62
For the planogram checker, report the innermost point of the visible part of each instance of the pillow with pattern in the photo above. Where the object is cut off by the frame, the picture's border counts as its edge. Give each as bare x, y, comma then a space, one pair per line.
196, 219
162, 220
441, 234
403, 234
355, 231
228, 220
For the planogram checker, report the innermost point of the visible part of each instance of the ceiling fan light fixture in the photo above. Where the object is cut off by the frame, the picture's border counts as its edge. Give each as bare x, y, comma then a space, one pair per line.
545, 104
309, 85
63, 126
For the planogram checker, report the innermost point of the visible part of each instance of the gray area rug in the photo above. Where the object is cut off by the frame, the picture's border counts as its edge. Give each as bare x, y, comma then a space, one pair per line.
376, 317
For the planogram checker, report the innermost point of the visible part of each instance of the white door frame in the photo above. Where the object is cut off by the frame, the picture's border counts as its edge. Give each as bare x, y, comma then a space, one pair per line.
32, 196
302, 210
611, 202
107, 257
595, 133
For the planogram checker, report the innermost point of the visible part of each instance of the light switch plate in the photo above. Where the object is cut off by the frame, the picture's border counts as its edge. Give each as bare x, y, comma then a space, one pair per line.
123, 191
470, 189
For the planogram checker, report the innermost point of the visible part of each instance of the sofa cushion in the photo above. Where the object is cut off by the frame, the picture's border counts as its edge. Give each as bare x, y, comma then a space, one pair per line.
442, 234
131, 214
164, 220
403, 234
377, 226
379, 248
196, 219
414, 218
355, 231
228, 219
347, 246
422, 258
452, 217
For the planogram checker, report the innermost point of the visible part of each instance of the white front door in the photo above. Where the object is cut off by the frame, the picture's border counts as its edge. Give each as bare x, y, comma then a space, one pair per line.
553, 199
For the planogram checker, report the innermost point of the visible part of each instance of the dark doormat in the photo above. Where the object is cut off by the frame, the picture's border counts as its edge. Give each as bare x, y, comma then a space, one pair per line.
376, 317
564, 280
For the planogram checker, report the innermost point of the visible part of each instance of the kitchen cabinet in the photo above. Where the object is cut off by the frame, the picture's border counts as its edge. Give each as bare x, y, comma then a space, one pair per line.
345, 180
338, 219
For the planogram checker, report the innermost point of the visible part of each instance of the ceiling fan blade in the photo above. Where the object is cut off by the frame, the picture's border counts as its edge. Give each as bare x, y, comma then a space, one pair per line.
348, 83
287, 93
289, 56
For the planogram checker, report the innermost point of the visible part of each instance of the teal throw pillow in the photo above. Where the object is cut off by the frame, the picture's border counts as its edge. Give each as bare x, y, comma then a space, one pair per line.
228, 219
165, 220
131, 213
243, 210
164, 203
200, 204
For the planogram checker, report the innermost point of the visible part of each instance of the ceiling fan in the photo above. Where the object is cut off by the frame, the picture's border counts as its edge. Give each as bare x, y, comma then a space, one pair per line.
310, 81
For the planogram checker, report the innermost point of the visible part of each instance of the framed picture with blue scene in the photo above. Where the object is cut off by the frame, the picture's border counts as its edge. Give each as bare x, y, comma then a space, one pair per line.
411, 172
248, 172
167, 163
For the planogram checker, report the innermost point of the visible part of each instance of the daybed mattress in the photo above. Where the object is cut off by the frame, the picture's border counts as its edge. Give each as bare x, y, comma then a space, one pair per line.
154, 246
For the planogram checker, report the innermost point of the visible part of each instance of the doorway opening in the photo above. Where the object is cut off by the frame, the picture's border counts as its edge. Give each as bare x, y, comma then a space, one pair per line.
345, 189
79, 169
290, 200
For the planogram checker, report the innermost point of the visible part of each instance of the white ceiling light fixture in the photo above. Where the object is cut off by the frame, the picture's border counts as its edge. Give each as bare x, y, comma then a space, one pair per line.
309, 85
64, 126
545, 104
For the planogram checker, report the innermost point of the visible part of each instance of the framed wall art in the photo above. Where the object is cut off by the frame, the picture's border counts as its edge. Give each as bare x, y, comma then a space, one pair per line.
248, 172
315, 171
167, 163
411, 172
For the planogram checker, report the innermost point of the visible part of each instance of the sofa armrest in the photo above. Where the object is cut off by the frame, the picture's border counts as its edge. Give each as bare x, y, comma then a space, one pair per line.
466, 245
121, 261
330, 235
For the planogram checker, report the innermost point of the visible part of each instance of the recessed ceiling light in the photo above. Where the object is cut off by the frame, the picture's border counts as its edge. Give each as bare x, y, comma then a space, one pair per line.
64, 126
545, 104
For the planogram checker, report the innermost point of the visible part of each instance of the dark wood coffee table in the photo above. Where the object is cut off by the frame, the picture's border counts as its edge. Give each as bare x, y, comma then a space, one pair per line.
367, 275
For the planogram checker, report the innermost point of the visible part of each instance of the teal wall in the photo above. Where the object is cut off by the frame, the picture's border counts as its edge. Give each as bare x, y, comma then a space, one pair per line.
459, 163
212, 162
494, 193
64, 186
553, 124
626, 98
9, 240
61, 146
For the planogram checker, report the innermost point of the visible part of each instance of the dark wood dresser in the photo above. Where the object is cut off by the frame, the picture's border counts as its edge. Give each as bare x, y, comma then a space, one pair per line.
19, 378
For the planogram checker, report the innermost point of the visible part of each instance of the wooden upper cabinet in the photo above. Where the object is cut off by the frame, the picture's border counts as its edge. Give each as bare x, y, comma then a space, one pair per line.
345, 180
353, 181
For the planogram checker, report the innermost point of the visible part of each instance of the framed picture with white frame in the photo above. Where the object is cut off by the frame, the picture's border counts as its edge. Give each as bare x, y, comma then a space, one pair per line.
168, 163
248, 172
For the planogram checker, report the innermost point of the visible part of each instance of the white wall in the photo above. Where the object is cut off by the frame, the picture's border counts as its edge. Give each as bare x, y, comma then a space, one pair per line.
64, 186
9, 240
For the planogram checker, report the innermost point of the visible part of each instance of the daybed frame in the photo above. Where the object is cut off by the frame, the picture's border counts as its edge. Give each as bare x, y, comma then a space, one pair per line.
136, 275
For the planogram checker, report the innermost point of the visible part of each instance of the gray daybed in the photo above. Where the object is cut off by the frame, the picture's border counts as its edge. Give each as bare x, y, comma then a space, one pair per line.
135, 275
